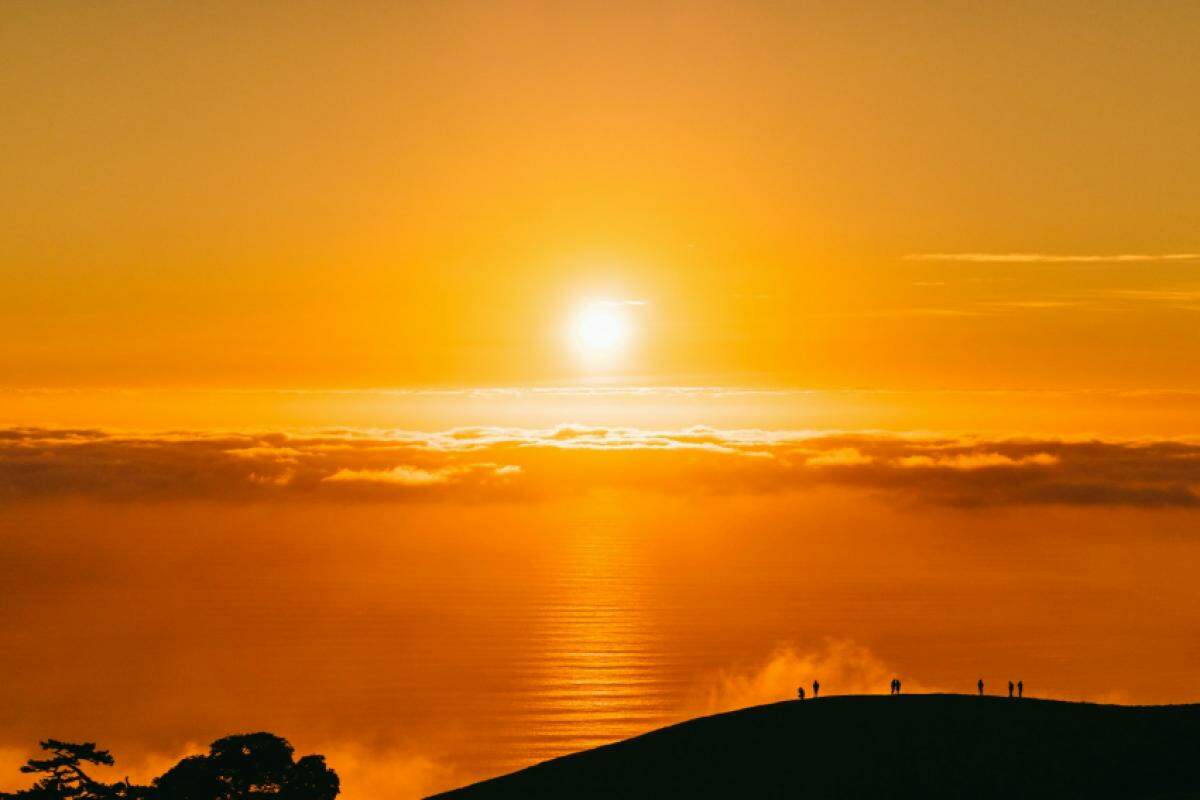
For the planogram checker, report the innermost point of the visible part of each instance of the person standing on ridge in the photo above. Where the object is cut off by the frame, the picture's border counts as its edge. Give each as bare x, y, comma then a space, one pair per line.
980, 685
897, 686
800, 692
1020, 688
1010, 688
816, 689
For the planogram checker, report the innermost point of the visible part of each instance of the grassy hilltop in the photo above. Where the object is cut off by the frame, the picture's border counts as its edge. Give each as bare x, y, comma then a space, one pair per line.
927, 746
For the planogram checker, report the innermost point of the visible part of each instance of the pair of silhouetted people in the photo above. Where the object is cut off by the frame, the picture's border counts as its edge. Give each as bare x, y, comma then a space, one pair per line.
895, 686
816, 690
1019, 686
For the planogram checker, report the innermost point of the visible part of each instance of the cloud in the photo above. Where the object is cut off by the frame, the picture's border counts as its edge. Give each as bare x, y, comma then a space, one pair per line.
976, 460
1036, 304
844, 456
1050, 258
1154, 295
416, 476
912, 312
366, 774
481, 464
606, 303
929, 312
842, 666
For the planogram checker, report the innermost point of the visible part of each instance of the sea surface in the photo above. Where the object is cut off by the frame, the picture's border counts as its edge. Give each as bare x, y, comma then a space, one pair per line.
423, 645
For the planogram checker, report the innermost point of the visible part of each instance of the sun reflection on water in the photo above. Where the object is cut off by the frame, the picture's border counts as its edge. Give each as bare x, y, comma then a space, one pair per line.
597, 672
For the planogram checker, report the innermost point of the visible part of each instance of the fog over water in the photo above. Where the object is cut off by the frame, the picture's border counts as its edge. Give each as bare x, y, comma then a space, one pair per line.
422, 644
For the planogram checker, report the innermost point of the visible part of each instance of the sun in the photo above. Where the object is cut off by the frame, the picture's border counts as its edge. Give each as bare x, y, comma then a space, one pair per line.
600, 330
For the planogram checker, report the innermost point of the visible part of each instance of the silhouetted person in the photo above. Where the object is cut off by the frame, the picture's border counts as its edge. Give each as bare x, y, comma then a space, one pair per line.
980, 685
816, 688
897, 686
1010, 688
800, 692
1020, 688
892, 687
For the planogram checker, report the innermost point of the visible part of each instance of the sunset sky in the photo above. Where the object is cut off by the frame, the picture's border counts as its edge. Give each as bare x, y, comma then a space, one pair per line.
315, 195
447, 386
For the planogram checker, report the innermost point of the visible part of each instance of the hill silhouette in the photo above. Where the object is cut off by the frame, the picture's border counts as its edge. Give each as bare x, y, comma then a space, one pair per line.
927, 746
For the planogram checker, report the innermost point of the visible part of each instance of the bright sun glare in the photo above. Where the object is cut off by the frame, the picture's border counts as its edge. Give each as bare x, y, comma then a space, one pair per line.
599, 330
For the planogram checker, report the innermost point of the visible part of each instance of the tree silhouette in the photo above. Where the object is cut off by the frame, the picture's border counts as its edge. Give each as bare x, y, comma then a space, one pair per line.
252, 766
65, 779
248, 766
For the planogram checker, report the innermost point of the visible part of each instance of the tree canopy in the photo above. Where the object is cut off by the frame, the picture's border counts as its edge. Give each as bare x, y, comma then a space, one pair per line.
240, 767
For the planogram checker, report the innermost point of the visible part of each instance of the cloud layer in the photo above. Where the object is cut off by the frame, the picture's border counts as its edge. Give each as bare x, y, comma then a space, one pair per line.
493, 463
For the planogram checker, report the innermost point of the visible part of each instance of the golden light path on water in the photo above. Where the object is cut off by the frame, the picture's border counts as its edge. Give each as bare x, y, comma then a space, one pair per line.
593, 669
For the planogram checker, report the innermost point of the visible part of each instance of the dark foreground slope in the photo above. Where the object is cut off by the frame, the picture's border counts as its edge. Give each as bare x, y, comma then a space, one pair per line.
878, 747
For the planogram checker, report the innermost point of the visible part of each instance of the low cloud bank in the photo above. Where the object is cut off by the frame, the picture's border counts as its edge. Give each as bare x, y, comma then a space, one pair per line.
494, 463
842, 666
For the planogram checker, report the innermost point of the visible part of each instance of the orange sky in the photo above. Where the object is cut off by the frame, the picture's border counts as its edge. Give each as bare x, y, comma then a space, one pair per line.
446, 386
307, 195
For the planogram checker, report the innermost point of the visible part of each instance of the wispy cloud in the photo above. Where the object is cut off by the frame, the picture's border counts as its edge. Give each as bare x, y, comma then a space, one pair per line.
610, 303
1035, 305
1050, 258
404, 475
505, 464
1153, 295
880, 313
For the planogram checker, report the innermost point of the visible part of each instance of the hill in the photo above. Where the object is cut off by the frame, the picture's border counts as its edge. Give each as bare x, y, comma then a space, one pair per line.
928, 746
